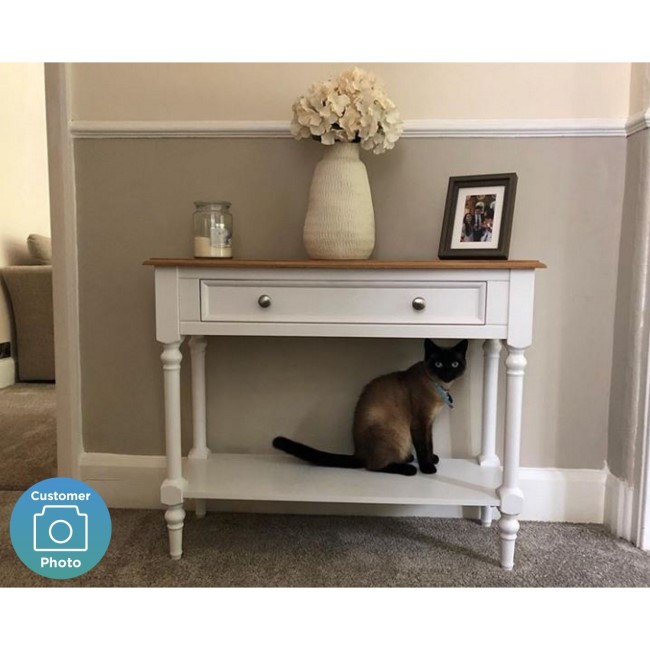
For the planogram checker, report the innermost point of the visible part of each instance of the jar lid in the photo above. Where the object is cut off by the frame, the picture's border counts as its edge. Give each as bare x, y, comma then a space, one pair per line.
205, 204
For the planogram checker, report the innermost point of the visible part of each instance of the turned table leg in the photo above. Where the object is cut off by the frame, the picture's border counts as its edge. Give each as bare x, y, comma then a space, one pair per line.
199, 449
175, 516
171, 492
509, 493
488, 457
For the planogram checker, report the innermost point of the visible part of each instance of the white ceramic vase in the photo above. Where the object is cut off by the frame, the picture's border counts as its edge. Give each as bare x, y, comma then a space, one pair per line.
340, 221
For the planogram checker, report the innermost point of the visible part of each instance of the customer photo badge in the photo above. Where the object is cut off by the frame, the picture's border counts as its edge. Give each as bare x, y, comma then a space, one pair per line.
60, 528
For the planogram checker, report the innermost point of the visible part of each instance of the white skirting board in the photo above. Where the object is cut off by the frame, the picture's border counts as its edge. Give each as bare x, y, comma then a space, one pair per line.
7, 372
619, 498
563, 495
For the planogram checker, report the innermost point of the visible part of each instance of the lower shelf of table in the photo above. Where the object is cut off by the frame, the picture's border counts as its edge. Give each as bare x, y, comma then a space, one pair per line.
275, 477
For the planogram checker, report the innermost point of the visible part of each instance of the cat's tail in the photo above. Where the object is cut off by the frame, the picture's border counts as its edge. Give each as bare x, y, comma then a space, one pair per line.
316, 456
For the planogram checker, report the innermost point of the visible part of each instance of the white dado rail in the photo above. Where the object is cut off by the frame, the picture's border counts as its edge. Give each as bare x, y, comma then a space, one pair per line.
431, 128
491, 300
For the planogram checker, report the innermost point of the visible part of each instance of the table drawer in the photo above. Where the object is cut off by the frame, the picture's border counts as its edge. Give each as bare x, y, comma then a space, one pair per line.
462, 303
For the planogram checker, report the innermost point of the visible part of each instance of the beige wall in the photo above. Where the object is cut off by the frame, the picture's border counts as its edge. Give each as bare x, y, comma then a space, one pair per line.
24, 198
135, 197
265, 91
639, 87
135, 201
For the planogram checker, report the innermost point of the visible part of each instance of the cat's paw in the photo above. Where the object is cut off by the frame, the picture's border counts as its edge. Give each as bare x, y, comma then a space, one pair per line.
409, 459
428, 468
436, 460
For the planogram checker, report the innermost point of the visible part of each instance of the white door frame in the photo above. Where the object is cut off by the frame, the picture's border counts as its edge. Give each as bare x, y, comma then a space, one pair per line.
64, 270
642, 451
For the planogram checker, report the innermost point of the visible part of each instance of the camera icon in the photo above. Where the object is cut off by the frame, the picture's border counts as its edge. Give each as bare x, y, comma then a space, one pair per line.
60, 528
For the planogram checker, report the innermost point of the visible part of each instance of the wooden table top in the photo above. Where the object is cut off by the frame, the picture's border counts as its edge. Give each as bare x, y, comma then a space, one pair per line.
345, 264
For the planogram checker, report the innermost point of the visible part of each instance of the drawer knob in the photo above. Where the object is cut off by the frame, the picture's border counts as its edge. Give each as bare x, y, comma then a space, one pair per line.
419, 304
264, 301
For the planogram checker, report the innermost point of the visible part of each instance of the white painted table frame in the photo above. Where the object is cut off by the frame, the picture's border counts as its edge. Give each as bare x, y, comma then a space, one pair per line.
493, 303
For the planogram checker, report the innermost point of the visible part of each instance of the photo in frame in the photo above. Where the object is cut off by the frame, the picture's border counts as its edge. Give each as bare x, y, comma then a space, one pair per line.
478, 217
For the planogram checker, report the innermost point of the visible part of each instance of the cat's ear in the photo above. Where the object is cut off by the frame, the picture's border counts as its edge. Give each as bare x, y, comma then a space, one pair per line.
430, 348
462, 347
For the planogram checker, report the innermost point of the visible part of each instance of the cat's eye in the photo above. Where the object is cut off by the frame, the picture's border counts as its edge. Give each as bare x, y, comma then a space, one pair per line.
438, 364
454, 364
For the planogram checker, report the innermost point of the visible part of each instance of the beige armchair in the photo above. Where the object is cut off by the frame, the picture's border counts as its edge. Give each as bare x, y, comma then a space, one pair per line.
30, 294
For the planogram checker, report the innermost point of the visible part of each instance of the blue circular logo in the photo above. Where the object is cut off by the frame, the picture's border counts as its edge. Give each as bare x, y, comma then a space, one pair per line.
60, 528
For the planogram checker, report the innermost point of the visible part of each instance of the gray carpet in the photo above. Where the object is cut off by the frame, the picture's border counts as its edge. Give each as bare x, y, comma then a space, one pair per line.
27, 435
248, 550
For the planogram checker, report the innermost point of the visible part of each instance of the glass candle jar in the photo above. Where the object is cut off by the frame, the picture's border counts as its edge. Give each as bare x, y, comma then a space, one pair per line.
212, 229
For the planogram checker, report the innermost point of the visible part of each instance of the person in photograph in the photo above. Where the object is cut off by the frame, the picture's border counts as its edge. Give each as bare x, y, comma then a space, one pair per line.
490, 211
467, 232
477, 221
488, 222
487, 229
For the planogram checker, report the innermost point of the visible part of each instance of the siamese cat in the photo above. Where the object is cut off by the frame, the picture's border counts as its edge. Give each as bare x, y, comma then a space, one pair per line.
393, 414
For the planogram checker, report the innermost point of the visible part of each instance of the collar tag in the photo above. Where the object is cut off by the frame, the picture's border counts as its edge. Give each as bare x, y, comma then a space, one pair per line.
444, 395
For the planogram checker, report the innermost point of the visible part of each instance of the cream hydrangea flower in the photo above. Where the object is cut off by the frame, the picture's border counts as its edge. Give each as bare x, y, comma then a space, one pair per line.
352, 108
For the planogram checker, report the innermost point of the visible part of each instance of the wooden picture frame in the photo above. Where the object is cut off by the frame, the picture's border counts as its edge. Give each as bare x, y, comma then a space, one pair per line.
478, 217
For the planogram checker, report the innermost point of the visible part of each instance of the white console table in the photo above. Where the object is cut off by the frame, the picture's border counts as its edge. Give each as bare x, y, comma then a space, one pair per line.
488, 300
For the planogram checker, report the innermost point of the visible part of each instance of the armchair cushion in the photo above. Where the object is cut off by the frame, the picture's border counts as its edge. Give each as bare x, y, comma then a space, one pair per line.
40, 248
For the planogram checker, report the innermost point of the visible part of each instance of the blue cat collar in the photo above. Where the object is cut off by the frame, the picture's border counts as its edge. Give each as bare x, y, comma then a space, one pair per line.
444, 395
